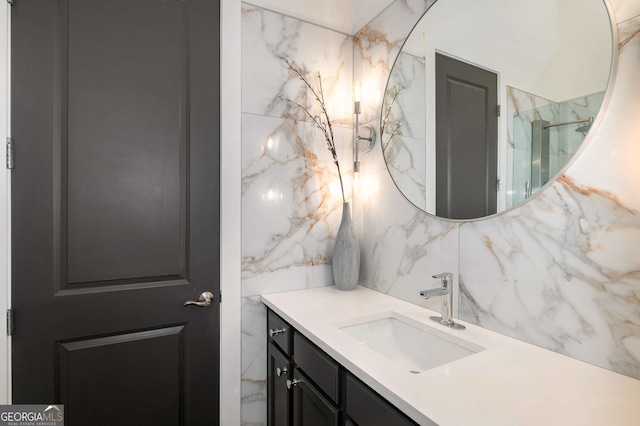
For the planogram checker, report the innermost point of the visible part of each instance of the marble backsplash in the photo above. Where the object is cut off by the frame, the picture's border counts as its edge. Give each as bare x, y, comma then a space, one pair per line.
562, 271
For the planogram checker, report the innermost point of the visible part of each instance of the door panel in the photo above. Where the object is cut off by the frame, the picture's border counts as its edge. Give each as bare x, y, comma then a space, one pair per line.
115, 117
125, 175
150, 360
466, 139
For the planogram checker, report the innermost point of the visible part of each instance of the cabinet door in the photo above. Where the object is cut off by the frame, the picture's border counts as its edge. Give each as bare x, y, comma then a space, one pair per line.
310, 407
366, 408
278, 394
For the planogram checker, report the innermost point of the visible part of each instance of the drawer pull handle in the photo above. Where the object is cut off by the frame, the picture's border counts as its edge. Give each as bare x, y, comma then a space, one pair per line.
292, 383
281, 371
275, 332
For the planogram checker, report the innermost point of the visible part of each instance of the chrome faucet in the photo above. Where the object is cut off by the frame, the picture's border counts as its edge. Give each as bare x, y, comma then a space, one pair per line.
446, 292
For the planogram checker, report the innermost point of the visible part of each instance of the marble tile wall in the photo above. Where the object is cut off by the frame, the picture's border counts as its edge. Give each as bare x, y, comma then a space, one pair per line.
562, 271
291, 202
403, 137
401, 246
570, 281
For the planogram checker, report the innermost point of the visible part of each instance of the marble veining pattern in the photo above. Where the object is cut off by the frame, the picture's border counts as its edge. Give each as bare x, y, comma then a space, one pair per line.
406, 163
408, 111
627, 31
291, 202
561, 271
584, 249
376, 48
291, 199
403, 138
266, 38
254, 368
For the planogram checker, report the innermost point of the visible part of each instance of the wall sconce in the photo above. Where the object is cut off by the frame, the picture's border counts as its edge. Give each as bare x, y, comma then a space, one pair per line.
371, 138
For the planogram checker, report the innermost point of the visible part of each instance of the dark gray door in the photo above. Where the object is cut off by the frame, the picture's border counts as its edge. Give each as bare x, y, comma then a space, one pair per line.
115, 117
466, 139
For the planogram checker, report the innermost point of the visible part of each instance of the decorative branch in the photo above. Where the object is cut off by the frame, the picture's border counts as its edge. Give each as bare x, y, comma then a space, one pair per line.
322, 122
385, 120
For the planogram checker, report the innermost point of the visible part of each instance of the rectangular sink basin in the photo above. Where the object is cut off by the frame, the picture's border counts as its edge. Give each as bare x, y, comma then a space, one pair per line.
410, 344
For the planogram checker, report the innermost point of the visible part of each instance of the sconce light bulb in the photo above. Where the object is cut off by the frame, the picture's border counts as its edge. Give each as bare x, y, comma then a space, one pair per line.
356, 92
356, 181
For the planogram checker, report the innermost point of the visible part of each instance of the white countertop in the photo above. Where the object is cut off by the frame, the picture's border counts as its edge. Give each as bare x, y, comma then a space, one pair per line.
510, 383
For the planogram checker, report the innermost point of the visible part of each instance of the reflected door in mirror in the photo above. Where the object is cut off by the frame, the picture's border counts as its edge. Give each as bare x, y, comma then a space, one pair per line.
466, 139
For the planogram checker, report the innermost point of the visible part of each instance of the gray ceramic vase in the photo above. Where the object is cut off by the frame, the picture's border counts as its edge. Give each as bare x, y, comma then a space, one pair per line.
346, 254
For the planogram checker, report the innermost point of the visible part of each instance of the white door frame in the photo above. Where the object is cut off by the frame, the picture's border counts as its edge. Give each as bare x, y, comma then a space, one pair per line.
230, 212
5, 207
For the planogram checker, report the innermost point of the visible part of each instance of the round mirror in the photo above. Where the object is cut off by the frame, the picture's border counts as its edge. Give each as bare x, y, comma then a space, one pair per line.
488, 100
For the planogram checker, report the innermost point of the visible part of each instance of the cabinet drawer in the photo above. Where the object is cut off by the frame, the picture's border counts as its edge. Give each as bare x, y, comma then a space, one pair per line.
317, 365
279, 332
366, 408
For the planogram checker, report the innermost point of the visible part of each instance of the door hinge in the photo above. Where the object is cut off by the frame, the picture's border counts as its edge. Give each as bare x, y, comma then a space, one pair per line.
498, 110
9, 322
9, 153
497, 184
10, 2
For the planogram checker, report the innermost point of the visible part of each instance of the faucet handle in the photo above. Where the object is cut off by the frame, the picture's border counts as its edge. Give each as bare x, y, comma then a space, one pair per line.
446, 277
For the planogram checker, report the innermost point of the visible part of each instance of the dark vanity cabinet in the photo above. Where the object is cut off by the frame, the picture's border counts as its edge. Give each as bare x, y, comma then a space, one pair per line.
279, 370
278, 373
302, 381
306, 387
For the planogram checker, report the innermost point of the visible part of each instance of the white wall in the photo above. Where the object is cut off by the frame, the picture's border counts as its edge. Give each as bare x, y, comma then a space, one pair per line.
554, 49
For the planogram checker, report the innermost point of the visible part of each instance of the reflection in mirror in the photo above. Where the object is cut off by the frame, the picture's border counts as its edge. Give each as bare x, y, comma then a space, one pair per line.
488, 100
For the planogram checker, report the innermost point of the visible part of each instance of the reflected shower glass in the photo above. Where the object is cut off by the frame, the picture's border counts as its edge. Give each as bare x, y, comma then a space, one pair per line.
545, 135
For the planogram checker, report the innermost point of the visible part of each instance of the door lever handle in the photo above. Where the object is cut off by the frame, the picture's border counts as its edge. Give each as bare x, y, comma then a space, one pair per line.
204, 300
